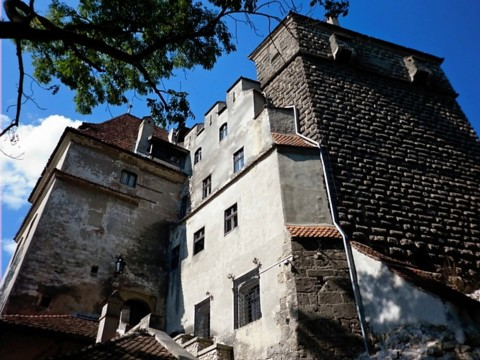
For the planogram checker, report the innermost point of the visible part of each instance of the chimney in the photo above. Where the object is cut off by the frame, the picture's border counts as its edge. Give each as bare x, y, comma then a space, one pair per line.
145, 130
333, 20
109, 319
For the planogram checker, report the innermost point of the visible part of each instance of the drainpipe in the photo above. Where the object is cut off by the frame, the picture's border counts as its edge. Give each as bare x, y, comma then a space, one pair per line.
348, 250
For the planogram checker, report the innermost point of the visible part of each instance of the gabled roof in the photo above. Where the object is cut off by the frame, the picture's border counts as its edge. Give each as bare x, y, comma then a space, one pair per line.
290, 140
64, 324
120, 131
314, 231
137, 345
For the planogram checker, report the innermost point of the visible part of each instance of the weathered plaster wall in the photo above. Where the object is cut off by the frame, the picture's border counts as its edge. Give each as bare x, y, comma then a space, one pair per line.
217, 156
303, 191
90, 219
390, 302
261, 234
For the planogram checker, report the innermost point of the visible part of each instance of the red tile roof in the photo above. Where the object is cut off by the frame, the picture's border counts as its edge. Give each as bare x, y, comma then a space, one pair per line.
66, 324
290, 140
137, 345
121, 131
314, 231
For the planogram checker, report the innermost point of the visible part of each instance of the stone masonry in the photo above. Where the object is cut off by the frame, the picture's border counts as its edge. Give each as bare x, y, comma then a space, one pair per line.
405, 161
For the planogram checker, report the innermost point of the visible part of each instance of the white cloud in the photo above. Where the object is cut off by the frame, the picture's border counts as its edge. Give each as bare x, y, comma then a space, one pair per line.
9, 246
24, 158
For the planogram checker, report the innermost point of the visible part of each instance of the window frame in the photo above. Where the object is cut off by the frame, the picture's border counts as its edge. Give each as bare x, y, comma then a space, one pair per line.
201, 322
223, 131
199, 241
247, 299
126, 177
197, 156
238, 160
230, 218
206, 186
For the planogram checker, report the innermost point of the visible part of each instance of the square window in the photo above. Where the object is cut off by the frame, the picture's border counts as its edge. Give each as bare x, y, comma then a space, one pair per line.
198, 156
199, 241
175, 259
202, 319
223, 132
206, 186
128, 178
247, 299
231, 218
238, 161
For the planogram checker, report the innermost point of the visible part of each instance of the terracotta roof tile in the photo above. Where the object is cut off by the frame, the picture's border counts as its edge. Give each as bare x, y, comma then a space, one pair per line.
67, 324
290, 140
314, 231
121, 131
137, 345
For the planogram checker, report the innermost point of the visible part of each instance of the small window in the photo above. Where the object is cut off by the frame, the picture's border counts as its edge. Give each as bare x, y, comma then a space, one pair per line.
202, 319
44, 300
175, 260
199, 241
223, 132
238, 161
128, 178
198, 156
94, 270
184, 205
247, 299
206, 186
231, 219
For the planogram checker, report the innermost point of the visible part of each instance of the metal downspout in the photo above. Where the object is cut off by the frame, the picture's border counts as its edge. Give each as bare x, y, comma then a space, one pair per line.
348, 250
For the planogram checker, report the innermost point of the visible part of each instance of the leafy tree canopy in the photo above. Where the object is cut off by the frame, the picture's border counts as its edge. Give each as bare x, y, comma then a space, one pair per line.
103, 48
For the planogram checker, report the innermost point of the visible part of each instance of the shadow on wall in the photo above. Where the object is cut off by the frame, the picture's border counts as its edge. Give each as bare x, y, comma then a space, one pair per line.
390, 301
175, 301
323, 338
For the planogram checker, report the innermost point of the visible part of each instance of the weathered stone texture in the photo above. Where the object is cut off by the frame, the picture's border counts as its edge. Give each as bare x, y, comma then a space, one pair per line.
327, 320
404, 159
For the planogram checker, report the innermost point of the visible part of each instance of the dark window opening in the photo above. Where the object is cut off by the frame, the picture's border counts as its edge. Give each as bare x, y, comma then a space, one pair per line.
94, 270
184, 206
137, 311
198, 241
238, 161
198, 156
247, 299
44, 300
202, 319
175, 258
231, 218
206, 186
128, 178
223, 132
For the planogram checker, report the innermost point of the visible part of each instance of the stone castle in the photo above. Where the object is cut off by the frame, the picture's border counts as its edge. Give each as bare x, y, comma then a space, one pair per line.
315, 210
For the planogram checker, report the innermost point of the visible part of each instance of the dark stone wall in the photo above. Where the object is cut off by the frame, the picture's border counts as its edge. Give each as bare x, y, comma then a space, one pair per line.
405, 161
328, 326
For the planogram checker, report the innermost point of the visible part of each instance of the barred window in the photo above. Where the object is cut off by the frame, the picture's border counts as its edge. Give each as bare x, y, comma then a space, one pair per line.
199, 241
231, 218
202, 319
247, 299
223, 132
198, 156
128, 178
238, 161
206, 186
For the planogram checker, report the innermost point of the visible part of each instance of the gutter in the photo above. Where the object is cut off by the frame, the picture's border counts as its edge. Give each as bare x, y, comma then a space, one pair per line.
346, 243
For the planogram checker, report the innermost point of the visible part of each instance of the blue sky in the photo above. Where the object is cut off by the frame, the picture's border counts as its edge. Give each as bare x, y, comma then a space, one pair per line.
445, 28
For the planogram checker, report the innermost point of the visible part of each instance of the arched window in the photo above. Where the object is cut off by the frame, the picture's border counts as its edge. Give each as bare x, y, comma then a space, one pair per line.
133, 311
223, 132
